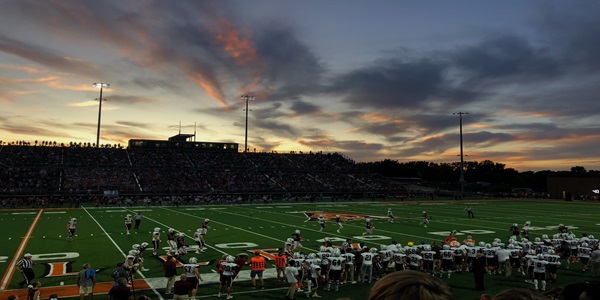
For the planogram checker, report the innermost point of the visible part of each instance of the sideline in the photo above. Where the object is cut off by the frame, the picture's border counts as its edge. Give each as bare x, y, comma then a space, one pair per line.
11, 269
120, 250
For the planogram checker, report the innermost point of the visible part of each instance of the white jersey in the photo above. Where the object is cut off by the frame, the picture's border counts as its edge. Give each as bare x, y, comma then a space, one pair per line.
298, 263
428, 255
584, 252
514, 253
446, 254
72, 224
410, 251
530, 258
335, 263
156, 236
197, 235
472, 251
323, 256
399, 257
189, 270
552, 259
127, 220
291, 273
414, 260
228, 268
386, 255
368, 258
313, 270
348, 258
539, 265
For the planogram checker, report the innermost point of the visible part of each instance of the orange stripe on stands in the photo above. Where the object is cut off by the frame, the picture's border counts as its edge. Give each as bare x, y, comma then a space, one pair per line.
71, 290
17, 256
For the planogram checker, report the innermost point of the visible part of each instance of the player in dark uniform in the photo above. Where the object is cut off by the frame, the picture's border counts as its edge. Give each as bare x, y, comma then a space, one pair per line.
515, 230
368, 227
181, 248
171, 240
424, 219
297, 239
338, 221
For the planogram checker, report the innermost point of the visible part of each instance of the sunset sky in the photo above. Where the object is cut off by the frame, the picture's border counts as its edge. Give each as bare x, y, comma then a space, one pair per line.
371, 79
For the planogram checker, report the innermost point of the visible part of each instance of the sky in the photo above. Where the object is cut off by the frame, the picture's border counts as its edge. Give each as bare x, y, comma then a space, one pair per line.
373, 80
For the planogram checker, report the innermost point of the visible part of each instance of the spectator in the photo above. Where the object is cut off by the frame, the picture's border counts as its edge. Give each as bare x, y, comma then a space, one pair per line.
170, 266
86, 280
13, 297
121, 291
410, 285
479, 267
519, 294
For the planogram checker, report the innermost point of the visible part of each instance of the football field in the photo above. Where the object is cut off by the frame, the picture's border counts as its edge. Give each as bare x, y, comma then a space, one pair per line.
101, 239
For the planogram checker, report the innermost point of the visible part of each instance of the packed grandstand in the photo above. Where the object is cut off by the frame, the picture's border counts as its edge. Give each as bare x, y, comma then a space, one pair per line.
79, 170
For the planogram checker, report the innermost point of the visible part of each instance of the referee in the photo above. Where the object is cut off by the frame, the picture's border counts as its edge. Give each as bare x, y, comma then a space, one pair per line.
26, 268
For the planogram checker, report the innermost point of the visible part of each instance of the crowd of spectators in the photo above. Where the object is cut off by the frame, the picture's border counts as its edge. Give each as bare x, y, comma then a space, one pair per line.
75, 169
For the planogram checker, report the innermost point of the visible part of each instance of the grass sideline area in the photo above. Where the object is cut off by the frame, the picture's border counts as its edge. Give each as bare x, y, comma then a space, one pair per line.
102, 242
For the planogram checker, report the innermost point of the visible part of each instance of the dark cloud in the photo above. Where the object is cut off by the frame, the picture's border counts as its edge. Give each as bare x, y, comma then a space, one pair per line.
505, 56
126, 99
304, 108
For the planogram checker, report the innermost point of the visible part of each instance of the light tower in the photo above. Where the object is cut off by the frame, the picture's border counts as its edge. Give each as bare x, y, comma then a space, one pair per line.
462, 162
247, 98
100, 85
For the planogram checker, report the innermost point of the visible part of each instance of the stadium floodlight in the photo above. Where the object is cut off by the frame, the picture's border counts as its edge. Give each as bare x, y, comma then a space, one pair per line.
462, 162
246, 98
100, 85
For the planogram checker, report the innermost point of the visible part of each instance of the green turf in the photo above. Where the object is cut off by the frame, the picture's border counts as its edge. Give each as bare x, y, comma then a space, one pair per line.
268, 226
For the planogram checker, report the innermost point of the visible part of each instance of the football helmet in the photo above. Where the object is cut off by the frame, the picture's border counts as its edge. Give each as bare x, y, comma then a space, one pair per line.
446, 247
515, 224
550, 251
336, 252
73, 219
199, 230
383, 247
297, 255
317, 261
157, 229
488, 245
540, 256
337, 216
206, 220
427, 248
297, 231
528, 223
367, 220
171, 230
193, 260
373, 250
290, 240
323, 249
181, 234
537, 239
230, 259
544, 236
312, 256
144, 244
128, 216
494, 244
481, 244
584, 245
423, 212
130, 256
510, 246
497, 240
135, 246
326, 239
531, 252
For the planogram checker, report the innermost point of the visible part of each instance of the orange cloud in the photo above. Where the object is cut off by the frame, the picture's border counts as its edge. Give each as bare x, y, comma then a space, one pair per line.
232, 41
210, 88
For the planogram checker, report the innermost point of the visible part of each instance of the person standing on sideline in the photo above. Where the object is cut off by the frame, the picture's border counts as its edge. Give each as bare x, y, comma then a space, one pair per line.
479, 271
118, 273
86, 280
257, 267
33, 290
138, 220
121, 291
595, 261
291, 273
25, 266
469, 211
170, 266
182, 288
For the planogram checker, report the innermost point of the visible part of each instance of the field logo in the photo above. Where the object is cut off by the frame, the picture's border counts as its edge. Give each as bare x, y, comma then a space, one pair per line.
313, 216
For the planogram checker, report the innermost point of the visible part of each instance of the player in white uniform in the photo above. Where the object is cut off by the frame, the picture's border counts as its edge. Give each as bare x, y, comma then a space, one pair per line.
368, 227
338, 221
390, 215
128, 221
193, 276
315, 277
321, 221
367, 265
336, 266
553, 264
228, 274
584, 252
155, 241
447, 256
71, 228
539, 271
348, 273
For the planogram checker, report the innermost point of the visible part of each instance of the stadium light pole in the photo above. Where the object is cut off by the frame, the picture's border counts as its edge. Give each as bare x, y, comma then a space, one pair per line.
100, 85
246, 98
462, 162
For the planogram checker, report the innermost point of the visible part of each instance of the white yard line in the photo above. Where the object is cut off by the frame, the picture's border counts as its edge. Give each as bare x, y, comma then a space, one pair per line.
120, 250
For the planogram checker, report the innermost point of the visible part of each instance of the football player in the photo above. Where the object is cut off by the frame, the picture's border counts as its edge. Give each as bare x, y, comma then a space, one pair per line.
71, 228
584, 252
338, 222
297, 239
198, 241
193, 276
390, 215
525, 230
368, 227
348, 273
336, 265
203, 232
515, 230
315, 277
287, 246
128, 224
424, 219
321, 221
228, 268
155, 241
539, 271
171, 233
367, 265
447, 260
181, 247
